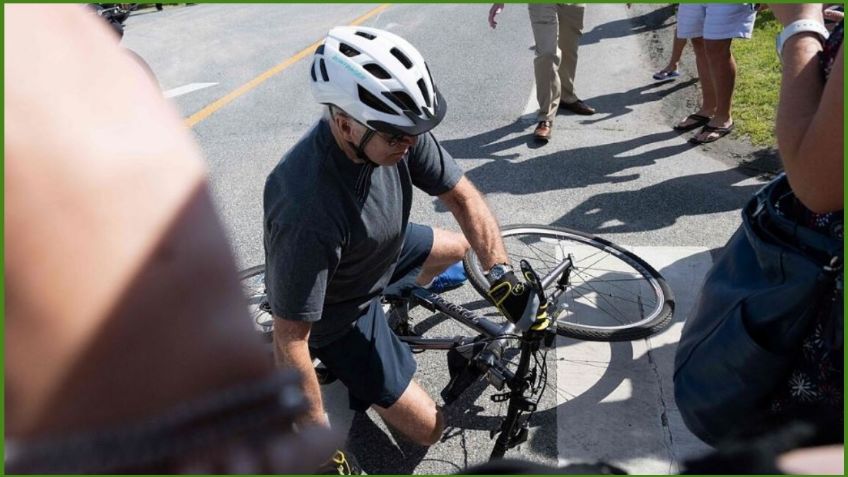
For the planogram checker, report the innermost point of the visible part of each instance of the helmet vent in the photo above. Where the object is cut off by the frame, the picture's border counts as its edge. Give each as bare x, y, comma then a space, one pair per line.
365, 35
423, 89
312, 71
377, 71
348, 50
320, 49
403, 101
373, 102
401, 57
323, 70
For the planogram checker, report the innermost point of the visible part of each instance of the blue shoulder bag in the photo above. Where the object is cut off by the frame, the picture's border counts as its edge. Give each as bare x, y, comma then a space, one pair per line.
773, 280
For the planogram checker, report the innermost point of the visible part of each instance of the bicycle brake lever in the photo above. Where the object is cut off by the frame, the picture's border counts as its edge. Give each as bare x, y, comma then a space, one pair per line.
532, 278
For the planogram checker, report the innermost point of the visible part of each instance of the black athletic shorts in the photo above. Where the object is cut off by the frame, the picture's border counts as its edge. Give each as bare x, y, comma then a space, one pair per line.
374, 364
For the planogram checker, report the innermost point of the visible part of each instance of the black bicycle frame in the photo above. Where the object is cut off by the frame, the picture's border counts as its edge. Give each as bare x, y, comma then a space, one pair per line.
497, 335
436, 303
471, 319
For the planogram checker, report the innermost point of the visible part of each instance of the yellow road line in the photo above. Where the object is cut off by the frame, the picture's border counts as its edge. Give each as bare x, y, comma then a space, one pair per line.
204, 113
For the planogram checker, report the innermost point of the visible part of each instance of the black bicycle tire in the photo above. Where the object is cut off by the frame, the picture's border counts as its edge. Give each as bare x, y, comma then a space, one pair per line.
642, 329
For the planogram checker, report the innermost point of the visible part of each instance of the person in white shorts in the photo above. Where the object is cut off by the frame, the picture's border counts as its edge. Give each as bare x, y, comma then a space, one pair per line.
712, 27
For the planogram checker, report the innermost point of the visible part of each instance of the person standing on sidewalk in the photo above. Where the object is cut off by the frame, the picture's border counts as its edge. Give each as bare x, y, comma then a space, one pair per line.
557, 29
712, 27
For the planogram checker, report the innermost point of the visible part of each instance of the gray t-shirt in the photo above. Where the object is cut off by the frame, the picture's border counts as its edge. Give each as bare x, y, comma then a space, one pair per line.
333, 229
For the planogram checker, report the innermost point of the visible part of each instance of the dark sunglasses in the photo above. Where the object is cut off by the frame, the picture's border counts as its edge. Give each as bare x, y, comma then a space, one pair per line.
392, 139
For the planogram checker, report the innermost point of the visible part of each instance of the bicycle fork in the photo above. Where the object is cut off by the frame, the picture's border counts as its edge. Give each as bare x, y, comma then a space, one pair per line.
513, 432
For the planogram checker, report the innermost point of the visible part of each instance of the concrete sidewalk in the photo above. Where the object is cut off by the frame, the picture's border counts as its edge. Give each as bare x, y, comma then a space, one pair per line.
616, 400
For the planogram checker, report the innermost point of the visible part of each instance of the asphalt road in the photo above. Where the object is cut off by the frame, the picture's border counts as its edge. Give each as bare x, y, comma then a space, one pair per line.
622, 174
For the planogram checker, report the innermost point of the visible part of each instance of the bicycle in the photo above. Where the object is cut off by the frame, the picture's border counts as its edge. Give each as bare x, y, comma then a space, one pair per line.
590, 288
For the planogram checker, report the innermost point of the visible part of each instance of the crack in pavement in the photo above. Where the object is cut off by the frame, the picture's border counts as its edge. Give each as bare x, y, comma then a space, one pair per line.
664, 424
463, 446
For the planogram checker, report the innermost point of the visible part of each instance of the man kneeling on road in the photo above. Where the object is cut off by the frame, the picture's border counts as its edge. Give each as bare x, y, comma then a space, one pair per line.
337, 232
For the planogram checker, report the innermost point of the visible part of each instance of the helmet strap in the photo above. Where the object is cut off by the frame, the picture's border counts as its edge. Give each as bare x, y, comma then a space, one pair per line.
360, 149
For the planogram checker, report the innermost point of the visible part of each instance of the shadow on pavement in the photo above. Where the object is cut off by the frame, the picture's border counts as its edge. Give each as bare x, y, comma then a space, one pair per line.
591, 430
615, 105
489, 144
493, 144
650, 208
574, 168
654, 20
660, 205
376, 452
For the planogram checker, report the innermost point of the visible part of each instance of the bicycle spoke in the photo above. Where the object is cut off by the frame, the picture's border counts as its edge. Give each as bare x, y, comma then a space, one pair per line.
599, 308
589, 270
536, 257
605, 296
612, 285
537, 250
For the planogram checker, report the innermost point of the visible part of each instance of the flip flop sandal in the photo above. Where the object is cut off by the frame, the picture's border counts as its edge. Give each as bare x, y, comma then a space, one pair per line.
664, 75
721, 132
698, 119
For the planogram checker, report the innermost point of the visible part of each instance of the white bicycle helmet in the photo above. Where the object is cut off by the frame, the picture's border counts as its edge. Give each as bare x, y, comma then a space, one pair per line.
379, 79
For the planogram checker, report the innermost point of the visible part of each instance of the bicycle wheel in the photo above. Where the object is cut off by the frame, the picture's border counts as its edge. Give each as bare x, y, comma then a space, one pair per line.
611, 295
253, 287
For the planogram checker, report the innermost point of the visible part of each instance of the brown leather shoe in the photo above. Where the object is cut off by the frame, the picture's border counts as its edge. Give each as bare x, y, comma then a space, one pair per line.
578, 107
543, 131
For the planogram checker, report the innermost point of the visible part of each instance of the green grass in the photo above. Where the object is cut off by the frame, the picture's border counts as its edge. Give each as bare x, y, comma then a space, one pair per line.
757, 82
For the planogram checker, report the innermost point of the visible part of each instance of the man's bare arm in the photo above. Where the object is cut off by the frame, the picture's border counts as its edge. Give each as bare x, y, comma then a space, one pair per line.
122, 297
291, 350
477, 222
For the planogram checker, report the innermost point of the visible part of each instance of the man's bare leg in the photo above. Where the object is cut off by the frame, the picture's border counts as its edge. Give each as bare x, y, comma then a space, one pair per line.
415, 415
448, 248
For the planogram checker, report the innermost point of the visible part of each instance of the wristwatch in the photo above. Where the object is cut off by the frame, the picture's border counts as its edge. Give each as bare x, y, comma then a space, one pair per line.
497, 272
799, 26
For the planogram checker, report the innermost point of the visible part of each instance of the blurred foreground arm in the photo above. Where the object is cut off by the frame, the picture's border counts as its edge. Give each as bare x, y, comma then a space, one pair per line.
122, 298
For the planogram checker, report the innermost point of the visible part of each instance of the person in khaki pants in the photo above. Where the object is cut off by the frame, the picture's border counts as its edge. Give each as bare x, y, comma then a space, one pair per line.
557, 29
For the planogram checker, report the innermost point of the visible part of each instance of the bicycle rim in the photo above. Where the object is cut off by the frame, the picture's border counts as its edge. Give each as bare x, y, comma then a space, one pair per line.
253, 287
612, 295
